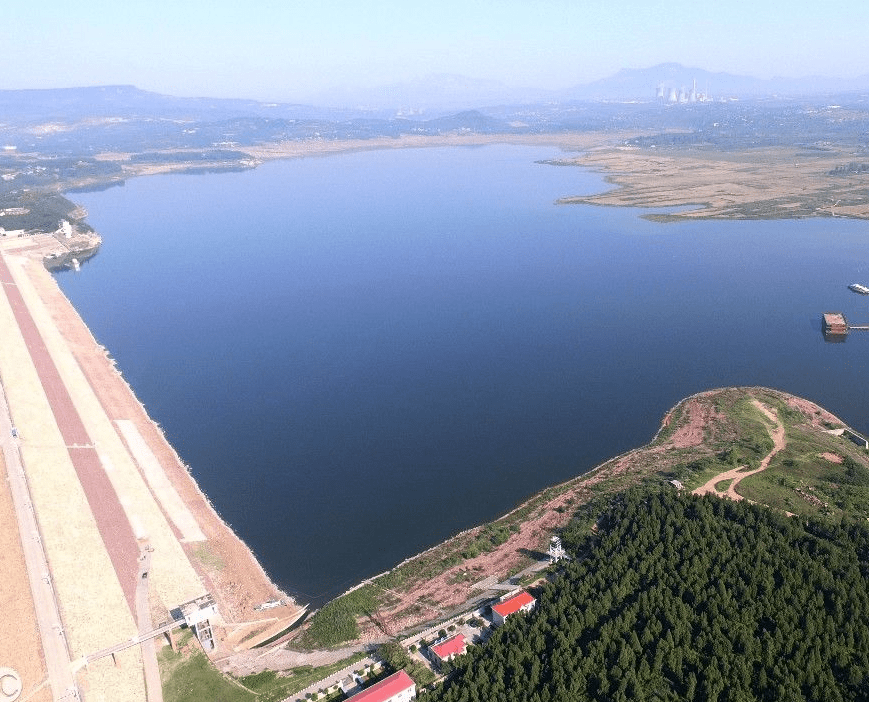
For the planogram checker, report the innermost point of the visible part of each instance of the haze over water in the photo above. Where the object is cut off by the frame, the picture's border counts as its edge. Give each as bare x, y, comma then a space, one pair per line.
363, 354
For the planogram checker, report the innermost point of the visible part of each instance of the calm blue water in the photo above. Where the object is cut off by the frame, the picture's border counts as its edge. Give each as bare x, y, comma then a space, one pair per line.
363, 354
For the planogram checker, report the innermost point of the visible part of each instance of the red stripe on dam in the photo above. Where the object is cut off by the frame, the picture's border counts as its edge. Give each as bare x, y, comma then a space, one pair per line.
112, 522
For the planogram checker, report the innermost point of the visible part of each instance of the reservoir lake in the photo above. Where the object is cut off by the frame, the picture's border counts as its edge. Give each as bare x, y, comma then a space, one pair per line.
360, 355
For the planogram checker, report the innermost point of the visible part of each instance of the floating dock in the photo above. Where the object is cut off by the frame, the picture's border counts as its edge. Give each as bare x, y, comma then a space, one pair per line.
835, 324
837, 327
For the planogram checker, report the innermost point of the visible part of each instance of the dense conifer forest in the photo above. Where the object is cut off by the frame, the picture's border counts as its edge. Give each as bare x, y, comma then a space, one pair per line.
676, 597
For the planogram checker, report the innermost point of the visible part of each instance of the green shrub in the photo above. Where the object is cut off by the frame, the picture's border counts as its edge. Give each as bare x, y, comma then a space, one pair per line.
336, 622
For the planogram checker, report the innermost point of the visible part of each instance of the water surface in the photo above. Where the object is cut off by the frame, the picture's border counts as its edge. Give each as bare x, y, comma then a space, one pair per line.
363, 354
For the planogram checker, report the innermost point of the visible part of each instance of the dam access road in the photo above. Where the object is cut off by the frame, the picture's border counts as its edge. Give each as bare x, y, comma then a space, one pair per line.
104, 531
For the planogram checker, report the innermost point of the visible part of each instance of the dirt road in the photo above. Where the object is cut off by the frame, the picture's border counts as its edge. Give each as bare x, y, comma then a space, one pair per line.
736, 475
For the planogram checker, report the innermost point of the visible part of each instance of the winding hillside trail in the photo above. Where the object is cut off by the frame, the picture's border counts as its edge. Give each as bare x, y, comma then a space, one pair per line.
735, 475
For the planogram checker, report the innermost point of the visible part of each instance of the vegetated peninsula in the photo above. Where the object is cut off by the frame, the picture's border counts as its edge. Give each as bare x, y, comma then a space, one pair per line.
720, 437
727, 559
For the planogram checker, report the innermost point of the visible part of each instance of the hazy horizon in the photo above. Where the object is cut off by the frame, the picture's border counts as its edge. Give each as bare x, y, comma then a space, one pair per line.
294, 52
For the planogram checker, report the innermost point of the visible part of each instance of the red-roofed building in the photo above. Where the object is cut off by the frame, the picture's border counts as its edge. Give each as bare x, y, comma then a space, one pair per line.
449, 648
398, 687
523, 602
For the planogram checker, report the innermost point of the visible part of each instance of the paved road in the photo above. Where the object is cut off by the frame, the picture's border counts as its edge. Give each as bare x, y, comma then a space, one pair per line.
143, 614
47, 615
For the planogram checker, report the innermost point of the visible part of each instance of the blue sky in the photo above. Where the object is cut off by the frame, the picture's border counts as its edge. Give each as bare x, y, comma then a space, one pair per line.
273, 50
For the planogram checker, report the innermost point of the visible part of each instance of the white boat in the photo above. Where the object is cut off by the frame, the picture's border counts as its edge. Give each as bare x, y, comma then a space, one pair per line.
857, 288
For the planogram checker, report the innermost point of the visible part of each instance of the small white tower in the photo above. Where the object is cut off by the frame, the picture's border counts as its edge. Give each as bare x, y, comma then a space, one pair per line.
556, 550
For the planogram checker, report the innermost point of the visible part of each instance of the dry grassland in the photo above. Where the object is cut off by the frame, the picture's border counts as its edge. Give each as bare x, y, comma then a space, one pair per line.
762, 183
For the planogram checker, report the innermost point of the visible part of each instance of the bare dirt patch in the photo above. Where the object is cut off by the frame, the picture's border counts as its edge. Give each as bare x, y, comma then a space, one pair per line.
817, 416
692, 431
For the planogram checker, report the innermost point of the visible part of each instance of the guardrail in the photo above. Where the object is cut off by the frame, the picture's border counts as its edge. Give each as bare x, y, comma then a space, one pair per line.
134, 641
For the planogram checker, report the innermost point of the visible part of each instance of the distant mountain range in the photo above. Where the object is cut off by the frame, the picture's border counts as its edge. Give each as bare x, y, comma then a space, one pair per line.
644, 84
427, 98
453, 92
130, 102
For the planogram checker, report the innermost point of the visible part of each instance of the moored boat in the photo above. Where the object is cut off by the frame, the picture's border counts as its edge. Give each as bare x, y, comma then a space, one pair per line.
857, 288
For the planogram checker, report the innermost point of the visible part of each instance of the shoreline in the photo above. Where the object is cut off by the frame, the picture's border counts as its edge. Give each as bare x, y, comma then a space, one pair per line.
682, 436
142, 488
321, 148
591, 144
706, 182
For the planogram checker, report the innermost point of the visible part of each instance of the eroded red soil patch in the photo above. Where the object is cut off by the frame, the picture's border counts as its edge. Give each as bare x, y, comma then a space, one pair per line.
692, 432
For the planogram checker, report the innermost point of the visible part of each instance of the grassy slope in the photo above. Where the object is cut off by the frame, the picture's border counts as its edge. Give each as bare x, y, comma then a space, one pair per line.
799, 479
189, 676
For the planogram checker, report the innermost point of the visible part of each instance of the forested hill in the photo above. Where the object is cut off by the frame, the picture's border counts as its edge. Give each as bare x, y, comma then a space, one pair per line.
685, 598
